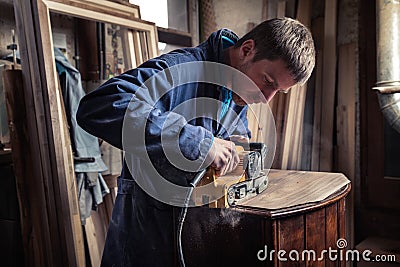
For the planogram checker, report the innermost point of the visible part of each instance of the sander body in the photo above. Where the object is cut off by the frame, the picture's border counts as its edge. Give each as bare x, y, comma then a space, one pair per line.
247, 180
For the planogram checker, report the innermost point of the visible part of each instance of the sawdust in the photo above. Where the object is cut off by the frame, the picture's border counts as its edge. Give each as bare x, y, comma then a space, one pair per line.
230, 217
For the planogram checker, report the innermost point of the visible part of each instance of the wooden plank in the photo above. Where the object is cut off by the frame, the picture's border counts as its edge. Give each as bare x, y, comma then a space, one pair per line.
143, 42
341, 223
107, 206
33, 235
127, 48
287, 131
95, 14
138, 48
86, 38
291, 131
331, 231
346, 125
113, 193
281, 8
304, 16
92, 238
39, 239
291, 233
294, 108
329, 83
61, 159
278, 109
270, 10
317, 30
127, 11
55, 156
265, 7
346, 110
253, 114
277, 103
60, 240
69, 195
315, 236
275, 235
262, 126
316, 139
174, 37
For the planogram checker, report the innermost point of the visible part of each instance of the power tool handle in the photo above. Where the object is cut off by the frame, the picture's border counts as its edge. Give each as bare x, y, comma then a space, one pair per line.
197, 178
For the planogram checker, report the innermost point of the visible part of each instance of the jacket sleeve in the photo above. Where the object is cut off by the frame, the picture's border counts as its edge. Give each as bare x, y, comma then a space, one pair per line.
127, 112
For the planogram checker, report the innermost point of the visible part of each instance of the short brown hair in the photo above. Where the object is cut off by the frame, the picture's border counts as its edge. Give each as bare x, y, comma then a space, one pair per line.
286, 39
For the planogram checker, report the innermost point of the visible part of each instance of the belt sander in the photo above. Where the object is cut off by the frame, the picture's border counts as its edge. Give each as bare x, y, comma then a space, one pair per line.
248, 179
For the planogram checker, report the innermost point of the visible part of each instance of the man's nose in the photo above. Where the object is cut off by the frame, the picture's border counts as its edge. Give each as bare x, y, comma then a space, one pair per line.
267, 96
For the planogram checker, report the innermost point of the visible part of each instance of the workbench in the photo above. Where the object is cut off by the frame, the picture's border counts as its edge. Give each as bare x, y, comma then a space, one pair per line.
298, 211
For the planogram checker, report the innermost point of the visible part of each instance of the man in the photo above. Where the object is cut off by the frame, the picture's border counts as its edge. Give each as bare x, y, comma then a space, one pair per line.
147, 115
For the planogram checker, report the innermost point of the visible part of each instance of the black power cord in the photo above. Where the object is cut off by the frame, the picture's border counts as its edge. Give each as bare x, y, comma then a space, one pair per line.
182, 216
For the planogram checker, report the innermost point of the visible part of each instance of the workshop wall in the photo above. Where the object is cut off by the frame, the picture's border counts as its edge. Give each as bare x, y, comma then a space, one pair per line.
64, 34
238, 15
62, 27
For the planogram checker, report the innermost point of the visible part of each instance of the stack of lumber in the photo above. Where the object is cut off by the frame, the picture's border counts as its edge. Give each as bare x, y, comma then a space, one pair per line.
51, 228
306, 130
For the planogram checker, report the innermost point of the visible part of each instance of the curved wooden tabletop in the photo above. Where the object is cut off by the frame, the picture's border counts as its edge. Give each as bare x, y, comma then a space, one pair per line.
295, 192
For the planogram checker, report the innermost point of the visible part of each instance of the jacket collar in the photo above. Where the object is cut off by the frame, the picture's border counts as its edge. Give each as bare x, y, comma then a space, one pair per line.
217, 40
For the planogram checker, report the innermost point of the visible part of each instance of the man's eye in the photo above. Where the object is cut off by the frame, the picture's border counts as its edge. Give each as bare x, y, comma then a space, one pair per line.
267, 82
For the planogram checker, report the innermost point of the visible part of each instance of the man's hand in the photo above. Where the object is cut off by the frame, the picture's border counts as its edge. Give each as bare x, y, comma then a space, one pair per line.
223, 156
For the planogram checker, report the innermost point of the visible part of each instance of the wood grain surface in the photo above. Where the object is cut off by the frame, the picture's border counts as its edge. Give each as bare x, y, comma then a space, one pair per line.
291, 188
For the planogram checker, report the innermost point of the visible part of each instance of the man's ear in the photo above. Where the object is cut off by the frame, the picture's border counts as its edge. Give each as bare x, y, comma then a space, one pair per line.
247, 49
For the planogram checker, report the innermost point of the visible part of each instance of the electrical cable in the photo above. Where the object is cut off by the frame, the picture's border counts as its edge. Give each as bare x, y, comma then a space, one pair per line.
182, 216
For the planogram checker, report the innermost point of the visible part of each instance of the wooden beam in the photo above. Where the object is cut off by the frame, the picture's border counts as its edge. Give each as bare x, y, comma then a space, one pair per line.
346, 110
128, 11
128, 48
318, 34
328, 87
346, 126
253, 114
281, 9
315, 153
95, 14
32, 213
55, 239
277, 104
174, 37
292, 135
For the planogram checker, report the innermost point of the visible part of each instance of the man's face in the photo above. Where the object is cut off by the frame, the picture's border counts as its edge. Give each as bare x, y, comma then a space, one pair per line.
269, 76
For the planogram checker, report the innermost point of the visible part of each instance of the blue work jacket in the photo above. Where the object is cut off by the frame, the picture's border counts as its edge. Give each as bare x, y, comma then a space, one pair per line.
102, 112
141, 231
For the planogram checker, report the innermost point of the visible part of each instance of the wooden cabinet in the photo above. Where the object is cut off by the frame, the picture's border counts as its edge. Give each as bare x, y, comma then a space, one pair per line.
250, 235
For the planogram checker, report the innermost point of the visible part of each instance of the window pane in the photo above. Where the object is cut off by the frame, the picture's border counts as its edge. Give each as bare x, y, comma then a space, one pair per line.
165, 48
167, 14
178, 15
